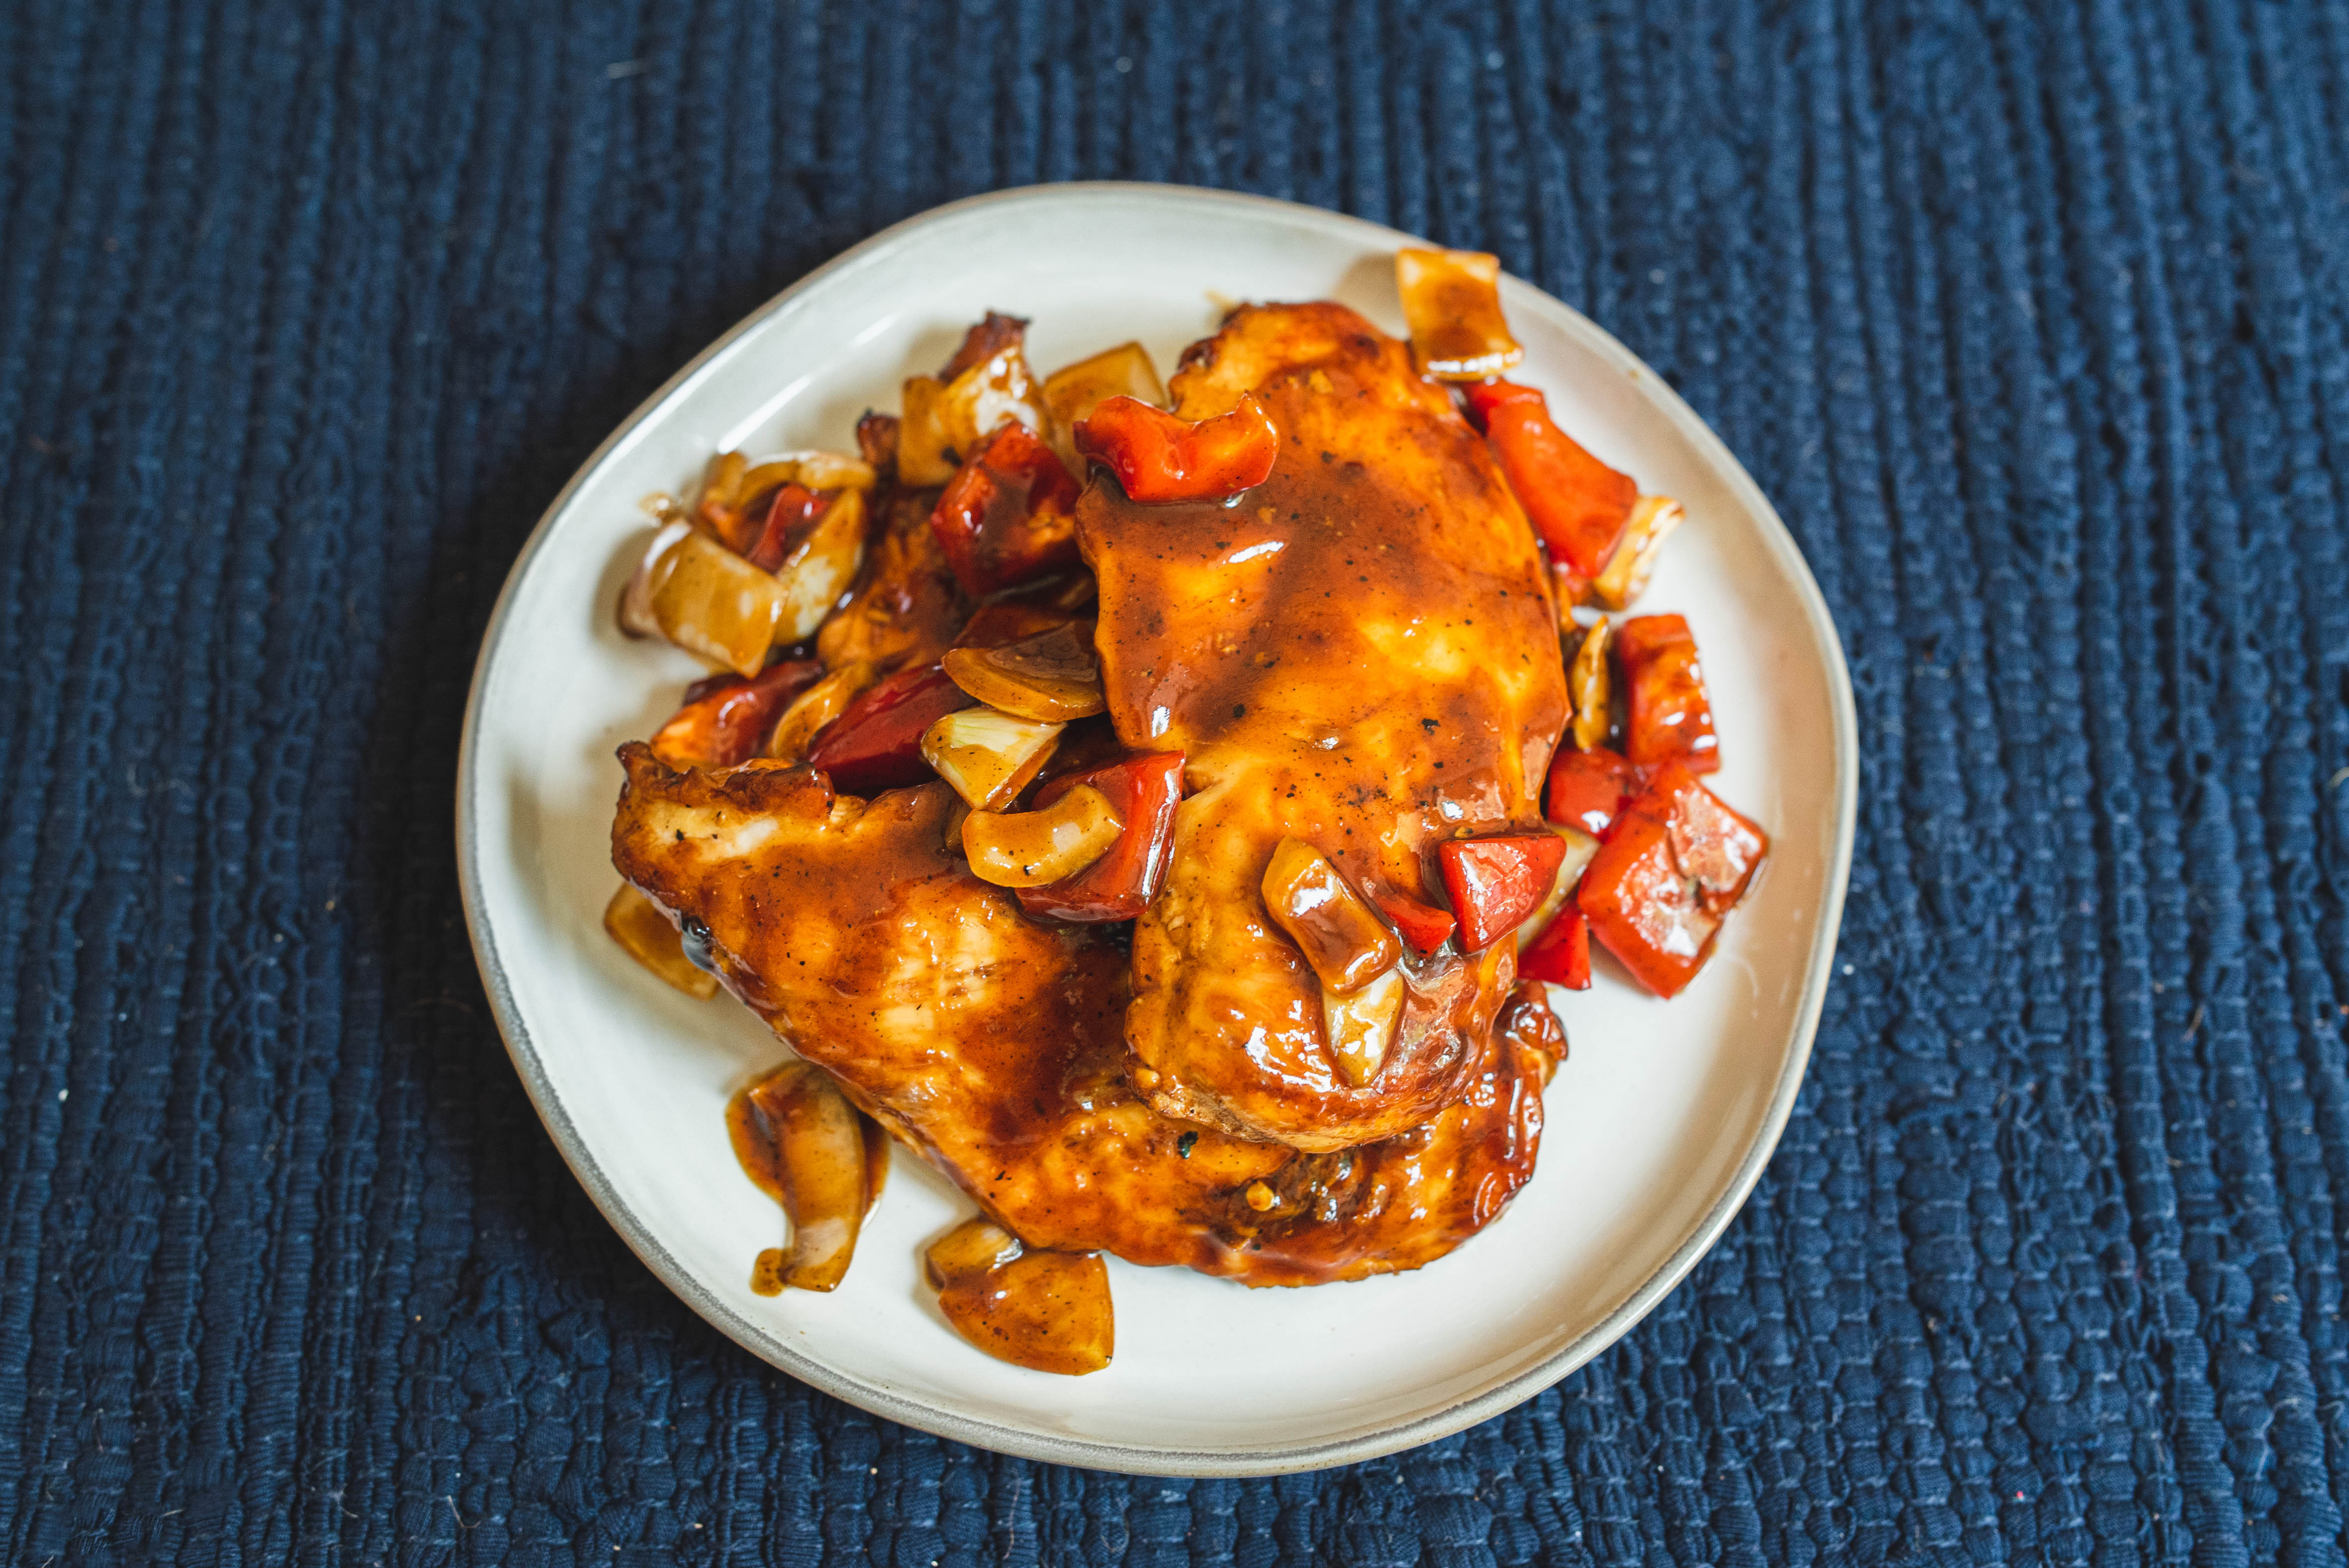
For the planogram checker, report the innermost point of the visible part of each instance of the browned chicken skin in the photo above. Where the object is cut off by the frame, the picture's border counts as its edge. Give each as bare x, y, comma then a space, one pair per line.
1359, 654
990, 1042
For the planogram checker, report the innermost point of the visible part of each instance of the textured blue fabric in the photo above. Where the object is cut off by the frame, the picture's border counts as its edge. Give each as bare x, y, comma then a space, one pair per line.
2031, 318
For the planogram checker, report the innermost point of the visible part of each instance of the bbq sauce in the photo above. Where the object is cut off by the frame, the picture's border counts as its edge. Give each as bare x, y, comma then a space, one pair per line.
1046, 1311
760, 1128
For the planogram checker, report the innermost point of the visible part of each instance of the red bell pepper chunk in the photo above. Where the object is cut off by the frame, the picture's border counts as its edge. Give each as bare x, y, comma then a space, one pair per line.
1423, 926
1160, 458
876, 744
1577, 504
1120, 885
1561, 953
1668, 715
793, 509
726, 719
1660, 886
1009, 514
1496, 883
1587, 788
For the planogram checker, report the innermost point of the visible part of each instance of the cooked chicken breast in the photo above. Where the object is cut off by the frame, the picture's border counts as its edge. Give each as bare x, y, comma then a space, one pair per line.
1359, 654
991, 1043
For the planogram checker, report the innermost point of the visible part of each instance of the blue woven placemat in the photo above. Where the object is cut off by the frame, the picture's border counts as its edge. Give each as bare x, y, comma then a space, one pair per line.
2031, 319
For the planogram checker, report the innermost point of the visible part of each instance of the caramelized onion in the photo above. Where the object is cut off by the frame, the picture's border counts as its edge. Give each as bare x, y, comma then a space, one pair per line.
1342, 936
1031, 849
987, 756
637, 924
944, 422
1452, 300
815, 471
1360, 1028
818, 706
1053, 678
1580, 847
1587, 684
1046, 1311
716, 605
1074, 391
799, 1137
636, 617
817, 570
1653, 518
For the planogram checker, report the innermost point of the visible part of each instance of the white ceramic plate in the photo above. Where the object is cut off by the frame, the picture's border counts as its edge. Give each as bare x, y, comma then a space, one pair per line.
1658, 1125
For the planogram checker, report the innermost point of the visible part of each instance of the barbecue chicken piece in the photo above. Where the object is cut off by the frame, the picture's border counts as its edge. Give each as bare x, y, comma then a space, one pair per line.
1358, 652
990, 1042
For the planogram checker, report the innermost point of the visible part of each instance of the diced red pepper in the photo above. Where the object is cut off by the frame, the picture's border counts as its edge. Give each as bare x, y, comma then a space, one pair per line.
1120, 885
1009, 514
1587, 788
1424, 927
726, 719
793, 509
1561, 953
876, 744
1496, 883
1577, 504
1160, 458
1668, 715
1660, 886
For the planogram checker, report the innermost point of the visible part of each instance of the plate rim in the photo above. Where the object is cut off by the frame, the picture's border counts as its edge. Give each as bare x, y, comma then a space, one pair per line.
1134, 1458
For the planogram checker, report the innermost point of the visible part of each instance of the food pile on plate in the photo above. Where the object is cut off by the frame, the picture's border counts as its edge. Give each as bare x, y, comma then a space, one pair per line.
1172, 809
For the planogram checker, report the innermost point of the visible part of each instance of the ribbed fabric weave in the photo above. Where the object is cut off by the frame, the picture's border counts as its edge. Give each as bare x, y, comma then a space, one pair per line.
2031, 320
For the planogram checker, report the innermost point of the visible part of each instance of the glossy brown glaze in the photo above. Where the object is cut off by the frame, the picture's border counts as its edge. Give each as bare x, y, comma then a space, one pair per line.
906, 608
1360, 652
1405, 1201
758, 1145
804, 1144
1046, 1311
990, 1042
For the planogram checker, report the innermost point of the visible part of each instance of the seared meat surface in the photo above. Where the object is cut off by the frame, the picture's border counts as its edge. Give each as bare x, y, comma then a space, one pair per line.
1362, 653
991, 1043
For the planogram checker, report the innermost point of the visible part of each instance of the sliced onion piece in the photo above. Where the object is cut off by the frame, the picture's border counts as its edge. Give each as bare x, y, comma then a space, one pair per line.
973, 1247
987, 756
1053, 677
636, 617
1074, 391
1452, 302
819, 569
1653, 518
1360, 1028
1046, 1311
722, 490
817, 707
1030, 849
803, 1130
1340, 935
1580, 847
811, 470
944, 423
637, 924
1587, 683
717, 606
